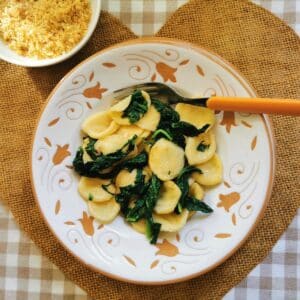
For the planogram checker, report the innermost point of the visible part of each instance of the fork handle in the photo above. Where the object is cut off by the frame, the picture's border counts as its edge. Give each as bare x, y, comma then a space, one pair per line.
255, 105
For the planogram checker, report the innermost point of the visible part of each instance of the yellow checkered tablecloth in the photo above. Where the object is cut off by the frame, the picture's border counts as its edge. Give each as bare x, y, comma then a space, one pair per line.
26, 274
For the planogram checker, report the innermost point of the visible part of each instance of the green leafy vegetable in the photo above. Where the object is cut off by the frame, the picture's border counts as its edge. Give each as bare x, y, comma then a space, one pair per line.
193, 204
127, 192
171, 126
106, 186
182, 182
91, 197
168, 116
167, 113
136, 162
152, 194
93, 168
202, 146
137, 108
186, 201
152, 230
90, 149
144, 207
189, 129
161, 133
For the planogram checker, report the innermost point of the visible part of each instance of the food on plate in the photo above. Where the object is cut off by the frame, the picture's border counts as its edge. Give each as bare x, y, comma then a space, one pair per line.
201, 148
42, 28
166, 159
212, 171
149, 161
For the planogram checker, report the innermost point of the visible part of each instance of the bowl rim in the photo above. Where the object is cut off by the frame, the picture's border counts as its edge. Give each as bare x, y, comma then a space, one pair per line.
265, 118
36, 63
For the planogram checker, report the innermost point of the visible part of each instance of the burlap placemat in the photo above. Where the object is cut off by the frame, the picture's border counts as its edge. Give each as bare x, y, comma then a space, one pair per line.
260, 45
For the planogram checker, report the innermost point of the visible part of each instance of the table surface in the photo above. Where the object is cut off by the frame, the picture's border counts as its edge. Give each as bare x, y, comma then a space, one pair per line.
26, 274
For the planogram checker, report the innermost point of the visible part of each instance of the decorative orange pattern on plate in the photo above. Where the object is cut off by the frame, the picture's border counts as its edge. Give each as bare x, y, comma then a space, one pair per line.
53, 122
87, 223
226, 184
69, 223
228, 120
200, 70
57, 207
253, 143
246, 124
223, 235
233, 219
154, 264
184, 62
166, 72
91, 77
228, 200
108, 65
89, 105
61, 153
94, 91
130, 260
166, 248
47, 141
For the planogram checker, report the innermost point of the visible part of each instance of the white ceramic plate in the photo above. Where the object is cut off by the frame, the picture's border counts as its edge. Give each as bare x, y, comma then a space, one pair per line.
245, 144
11, 56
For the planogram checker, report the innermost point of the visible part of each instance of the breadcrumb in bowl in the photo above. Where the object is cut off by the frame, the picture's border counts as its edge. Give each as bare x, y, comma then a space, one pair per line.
38, 33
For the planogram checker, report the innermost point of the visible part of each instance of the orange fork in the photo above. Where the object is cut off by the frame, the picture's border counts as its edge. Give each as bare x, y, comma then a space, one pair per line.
255, 105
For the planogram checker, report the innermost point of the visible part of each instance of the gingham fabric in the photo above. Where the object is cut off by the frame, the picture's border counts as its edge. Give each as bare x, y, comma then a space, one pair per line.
25, 274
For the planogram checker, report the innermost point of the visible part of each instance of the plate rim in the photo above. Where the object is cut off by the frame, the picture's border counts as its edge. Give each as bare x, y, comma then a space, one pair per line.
265, 118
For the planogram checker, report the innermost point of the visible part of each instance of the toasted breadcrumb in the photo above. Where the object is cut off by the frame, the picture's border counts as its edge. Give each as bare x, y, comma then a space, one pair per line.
43, 28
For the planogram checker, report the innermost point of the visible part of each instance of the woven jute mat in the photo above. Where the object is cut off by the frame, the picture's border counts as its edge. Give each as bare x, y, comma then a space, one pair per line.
265, 50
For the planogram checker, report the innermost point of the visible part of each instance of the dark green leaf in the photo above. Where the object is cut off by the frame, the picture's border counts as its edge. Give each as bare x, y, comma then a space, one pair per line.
136, 162
161, 133
95, 167
193, 204
168, 116
78, 163
90, 149
202, 147
106, 186
128, 192
137, 212
152, 193
167, 113
137, 108
188, 129
152, 230
182, 182
144, 205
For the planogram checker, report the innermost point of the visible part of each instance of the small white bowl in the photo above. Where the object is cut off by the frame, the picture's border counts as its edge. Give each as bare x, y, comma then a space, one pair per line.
11, 56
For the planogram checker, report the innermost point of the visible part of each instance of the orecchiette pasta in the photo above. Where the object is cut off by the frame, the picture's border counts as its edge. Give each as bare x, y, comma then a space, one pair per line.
166, 159
99, 125
195, 115
212, 171
125, 178
110, 144
168, 198
201, 148
104, 212
171, 222
148, 160
91, 189
150, 120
